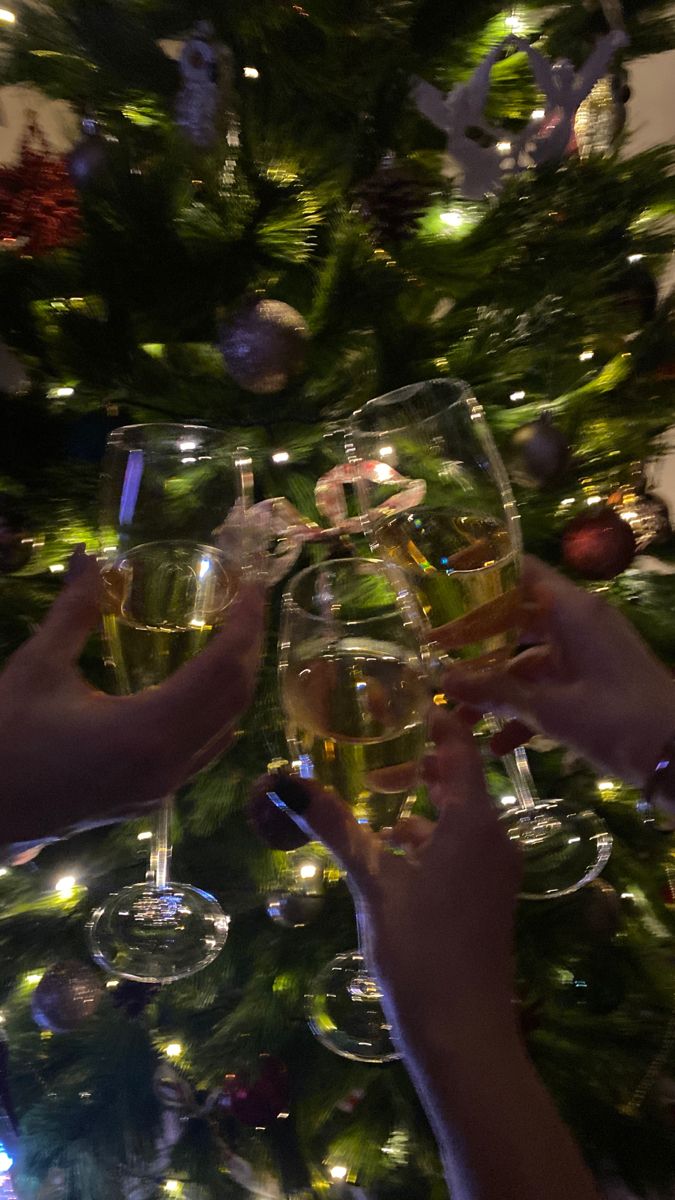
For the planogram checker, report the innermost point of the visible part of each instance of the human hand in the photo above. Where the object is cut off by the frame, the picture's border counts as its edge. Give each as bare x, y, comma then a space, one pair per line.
437, 921
71, 755
591, 683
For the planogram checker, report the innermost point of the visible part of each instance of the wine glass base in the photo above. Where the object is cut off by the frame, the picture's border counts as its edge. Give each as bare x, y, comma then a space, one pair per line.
564, 846
157, 935
344, 1012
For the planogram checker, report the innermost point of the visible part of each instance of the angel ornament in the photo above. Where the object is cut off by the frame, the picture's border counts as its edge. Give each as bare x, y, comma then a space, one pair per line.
488, 154
204, 106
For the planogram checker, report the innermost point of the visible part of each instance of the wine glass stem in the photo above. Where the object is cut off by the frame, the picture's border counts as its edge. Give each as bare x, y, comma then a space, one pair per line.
518, 771
160, 853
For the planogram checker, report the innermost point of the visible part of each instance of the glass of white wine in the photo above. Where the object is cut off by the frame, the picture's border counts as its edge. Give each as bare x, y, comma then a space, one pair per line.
436, 501
168, 588
355, 695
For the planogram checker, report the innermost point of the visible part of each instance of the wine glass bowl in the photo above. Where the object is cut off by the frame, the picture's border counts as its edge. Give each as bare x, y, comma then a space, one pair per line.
354, 688
448, 519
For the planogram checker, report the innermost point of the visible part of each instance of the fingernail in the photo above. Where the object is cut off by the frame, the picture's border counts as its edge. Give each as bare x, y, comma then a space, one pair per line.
290, 793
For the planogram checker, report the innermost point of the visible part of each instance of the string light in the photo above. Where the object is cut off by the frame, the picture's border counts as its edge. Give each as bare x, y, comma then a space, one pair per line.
251, 73
514, 23
9, 18
606, 785
308, 870
65, 886
280, 456
586, 355
172, 1186
144, 835
6, 1161
503, 147
633, 258
338, 1172
538, 114
508, 800
173, 1050
594, 499
453, 217
57, 568
517, 396
60, 393
34, 977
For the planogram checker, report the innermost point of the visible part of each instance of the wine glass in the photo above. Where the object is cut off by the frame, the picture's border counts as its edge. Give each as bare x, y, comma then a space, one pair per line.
355, 696
437, 502
168, 586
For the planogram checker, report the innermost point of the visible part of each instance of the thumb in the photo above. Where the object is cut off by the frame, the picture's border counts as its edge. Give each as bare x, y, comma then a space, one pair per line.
321, 814
75, 612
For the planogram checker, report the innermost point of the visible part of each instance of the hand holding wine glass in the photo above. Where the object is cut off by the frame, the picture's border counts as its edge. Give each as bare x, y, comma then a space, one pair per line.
437, 926
72, 757
589, 682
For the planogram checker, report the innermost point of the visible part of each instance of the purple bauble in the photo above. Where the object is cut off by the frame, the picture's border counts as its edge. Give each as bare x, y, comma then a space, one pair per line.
263, 346
66, 995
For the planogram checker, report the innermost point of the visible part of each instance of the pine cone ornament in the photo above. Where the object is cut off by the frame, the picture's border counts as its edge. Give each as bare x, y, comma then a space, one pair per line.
392, 202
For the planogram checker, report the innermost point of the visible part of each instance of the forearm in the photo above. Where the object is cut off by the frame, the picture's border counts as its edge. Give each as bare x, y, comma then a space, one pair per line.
498, 1132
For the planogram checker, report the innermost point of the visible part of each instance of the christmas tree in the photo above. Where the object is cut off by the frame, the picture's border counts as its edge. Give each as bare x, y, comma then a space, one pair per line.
270, 217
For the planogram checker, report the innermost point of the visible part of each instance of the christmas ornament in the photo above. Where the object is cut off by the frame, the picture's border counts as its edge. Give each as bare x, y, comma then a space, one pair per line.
542, 451
488, 155
66, 995
156, 934
260, 1102
344, 1012
293, 910
272, 824
597, 544
646, 515
205, 102
600, 117
88, 161
38, 205
13, 378
264, 346
392, 201
16, 544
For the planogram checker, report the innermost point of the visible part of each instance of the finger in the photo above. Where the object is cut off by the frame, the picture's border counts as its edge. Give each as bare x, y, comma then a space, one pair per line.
513, 689
453, 771
411, 833
74, 613
208, 693
321, 814
512, 735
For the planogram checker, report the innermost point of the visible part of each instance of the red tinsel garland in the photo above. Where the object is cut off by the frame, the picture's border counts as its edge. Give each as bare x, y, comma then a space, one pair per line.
39, 209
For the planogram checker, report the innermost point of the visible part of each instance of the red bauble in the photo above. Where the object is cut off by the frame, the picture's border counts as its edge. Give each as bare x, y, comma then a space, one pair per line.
272, 824
257, 1104
598, 544
39, 209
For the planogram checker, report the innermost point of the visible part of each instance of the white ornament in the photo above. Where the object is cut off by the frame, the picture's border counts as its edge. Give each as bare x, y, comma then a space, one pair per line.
544, 139
204, 107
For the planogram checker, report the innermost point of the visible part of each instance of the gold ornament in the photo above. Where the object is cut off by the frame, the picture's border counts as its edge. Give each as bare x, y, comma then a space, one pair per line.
596, 123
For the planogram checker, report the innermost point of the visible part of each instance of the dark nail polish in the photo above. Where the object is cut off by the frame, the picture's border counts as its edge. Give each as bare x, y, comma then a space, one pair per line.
289, 792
